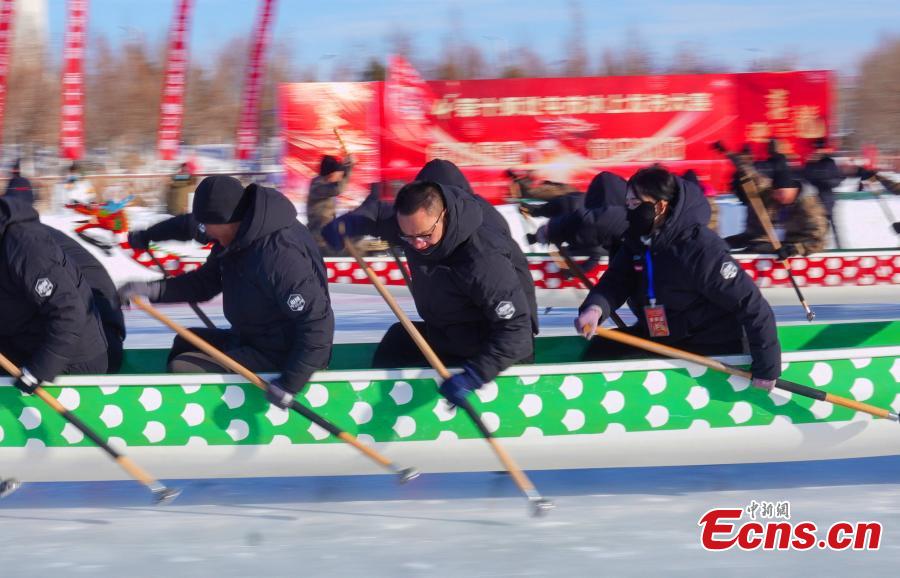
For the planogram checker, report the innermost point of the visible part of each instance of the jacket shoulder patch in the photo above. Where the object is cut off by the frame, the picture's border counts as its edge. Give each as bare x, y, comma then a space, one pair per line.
729, 270
505, 310
44, 287
296, 302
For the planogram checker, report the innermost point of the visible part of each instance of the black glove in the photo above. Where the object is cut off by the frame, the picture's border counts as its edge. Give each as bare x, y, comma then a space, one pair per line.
138, 240
278, 394
787, 251
26, 383
896, 227
865, 174
151, 290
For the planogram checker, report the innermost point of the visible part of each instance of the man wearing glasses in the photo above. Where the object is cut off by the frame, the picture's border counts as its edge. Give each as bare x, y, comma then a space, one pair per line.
476, 313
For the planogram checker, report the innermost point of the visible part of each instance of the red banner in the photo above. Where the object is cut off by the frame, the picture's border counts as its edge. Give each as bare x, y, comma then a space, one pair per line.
71, 137
792, 107
309, 114
569, 129
171, 107
248, 125
7, 10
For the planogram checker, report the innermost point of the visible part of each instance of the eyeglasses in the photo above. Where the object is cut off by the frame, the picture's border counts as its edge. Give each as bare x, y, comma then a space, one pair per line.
424, 237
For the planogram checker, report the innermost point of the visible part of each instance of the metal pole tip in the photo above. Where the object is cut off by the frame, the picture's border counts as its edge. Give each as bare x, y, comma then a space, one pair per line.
407, 475
165, 496
541, 506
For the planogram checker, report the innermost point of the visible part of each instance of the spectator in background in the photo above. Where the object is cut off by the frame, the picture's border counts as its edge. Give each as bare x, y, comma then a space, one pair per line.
321, 206
710, 194
797, 216
823, 173
180, 188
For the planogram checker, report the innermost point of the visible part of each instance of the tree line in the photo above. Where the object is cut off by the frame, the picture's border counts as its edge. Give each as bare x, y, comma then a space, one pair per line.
123, 84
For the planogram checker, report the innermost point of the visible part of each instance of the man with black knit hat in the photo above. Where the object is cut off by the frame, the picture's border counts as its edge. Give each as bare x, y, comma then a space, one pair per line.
274, 286
476, 312
796, 213
321, 205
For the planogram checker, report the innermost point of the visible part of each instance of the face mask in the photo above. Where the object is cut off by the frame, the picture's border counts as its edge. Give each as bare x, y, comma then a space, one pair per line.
640, 219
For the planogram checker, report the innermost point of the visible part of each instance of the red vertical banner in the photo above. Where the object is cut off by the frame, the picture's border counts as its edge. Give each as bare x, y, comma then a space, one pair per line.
171, 105
6, 21
71, 134
248, 125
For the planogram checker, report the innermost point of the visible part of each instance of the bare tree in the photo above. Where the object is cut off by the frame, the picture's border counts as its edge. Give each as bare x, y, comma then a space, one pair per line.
576, 63
635, 58
877, 96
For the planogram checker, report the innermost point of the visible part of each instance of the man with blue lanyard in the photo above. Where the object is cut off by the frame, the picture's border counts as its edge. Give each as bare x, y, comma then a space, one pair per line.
679, 278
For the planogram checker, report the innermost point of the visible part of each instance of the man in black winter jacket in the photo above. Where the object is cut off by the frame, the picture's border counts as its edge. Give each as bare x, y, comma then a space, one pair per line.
102, 287
466, 288
274, 286
692, 293
445, 172
50, 323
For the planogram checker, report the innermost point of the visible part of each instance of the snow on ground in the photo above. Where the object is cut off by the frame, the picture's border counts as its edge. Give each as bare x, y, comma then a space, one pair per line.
607, 523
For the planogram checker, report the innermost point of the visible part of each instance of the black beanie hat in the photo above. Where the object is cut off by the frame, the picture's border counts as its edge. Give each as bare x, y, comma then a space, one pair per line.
329, 165
782, 176
218, 200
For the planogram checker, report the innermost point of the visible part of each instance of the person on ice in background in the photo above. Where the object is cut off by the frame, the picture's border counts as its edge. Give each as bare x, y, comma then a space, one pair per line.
180, 187
710, 194
797, 216
19, 184
595, 229
321, 205
823, 173
102, 287
524, 185
273, 282
8, 486
51, 324
679, 274
476, 311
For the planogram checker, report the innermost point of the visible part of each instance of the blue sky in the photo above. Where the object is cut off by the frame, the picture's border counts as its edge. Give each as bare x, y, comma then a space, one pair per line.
821, 33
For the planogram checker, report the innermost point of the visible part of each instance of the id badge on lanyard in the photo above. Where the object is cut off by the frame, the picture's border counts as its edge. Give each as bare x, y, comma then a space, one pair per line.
653, 313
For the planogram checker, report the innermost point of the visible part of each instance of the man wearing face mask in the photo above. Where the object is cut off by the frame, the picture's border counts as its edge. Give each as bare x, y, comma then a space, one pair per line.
464, 282
690, 292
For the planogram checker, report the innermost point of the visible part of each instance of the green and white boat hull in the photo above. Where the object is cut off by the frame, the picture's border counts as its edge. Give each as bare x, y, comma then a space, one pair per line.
557, 413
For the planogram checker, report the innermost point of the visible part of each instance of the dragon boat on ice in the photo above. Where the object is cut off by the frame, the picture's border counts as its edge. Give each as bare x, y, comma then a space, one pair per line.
559, 412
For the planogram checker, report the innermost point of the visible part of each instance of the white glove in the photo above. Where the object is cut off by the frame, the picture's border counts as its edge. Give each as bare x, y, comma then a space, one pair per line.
588, 320
764, 384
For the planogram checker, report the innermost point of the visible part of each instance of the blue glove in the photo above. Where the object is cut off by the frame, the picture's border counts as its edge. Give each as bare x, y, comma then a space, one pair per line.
26, 383
354, 226
278, 394
458, 386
